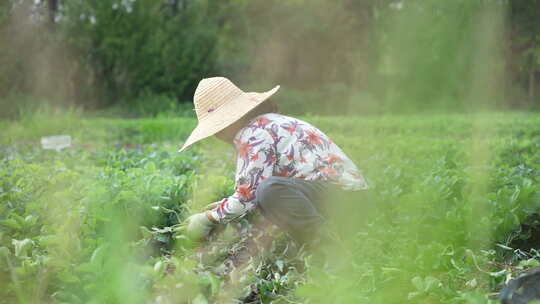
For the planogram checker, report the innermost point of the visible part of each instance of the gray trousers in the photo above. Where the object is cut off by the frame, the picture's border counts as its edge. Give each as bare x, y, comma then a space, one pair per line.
293, 204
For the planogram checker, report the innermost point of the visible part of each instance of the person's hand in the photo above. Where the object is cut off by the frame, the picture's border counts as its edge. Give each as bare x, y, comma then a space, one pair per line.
199, 226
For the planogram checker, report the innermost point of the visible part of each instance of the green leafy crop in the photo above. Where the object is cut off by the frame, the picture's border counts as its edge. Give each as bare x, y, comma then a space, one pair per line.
450, 217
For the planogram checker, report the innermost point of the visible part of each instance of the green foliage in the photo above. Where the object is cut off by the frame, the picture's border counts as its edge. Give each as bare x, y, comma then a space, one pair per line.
74, 219
107, 52
101, 222
365, 56
442, 197
136, 47
151, 106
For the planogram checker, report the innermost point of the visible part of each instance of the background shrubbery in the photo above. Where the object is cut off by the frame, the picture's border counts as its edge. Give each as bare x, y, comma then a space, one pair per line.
370, 56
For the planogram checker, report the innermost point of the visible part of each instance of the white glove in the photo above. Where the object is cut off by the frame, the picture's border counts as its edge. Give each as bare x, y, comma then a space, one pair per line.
199, 226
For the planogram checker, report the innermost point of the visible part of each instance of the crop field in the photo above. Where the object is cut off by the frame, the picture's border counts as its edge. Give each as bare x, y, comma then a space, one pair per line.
450, 216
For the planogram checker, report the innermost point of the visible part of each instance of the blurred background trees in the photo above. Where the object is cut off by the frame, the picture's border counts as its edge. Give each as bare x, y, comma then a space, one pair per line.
524, 45
359, 56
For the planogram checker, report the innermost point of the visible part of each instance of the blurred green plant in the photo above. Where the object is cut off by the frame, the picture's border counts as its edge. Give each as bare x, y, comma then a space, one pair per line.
101, 221
135, 47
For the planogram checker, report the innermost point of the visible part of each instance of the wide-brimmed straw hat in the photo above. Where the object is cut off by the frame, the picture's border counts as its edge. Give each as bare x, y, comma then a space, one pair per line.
218, 104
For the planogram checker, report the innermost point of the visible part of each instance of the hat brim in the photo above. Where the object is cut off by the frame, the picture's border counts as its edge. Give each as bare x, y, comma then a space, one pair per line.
226, 115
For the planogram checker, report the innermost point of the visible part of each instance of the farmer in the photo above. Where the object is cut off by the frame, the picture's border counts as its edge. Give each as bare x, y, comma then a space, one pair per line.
285, 166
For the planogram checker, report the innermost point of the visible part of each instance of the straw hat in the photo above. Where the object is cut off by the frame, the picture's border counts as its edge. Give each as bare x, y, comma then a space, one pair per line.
218, 104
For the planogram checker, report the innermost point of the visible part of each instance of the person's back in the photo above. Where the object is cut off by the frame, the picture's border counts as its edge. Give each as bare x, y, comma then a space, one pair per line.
300, 151
285, 166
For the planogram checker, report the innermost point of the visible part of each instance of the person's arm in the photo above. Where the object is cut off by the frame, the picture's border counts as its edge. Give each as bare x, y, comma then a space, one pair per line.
255, 161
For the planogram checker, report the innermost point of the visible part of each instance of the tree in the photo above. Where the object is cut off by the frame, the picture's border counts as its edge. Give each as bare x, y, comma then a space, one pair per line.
524, 43
53, 8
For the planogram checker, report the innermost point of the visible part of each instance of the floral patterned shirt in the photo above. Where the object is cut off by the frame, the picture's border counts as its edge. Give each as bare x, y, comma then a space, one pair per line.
276, 145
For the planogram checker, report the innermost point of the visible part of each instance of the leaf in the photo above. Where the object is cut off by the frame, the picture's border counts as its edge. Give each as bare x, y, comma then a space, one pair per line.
418, 283
215, 284
515, 195
150, 166
529, 263
98, 255
200, 299
159, 267
472, 283
280, 264
504, 246
162, 230
30, 220
163, 238
431, 283
11, 223
22, 246
413, 295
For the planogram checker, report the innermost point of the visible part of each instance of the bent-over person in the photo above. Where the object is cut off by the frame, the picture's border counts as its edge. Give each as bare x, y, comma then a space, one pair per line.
285, 166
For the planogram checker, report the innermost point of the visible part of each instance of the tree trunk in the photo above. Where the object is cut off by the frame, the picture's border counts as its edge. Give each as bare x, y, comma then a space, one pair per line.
53, 8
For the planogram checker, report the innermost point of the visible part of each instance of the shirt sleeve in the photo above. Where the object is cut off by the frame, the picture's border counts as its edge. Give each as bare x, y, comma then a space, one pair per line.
255, 162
